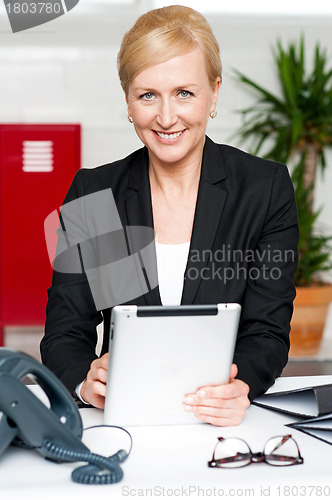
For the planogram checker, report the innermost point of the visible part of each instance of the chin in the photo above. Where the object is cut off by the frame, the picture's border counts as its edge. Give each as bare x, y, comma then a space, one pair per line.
171, 158
171, 154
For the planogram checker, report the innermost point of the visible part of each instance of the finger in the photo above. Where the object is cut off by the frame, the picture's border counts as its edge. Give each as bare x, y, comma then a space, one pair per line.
191, 403
221, 421
206, 395
94, 392
98, 370
194, 400
222, 417
99, 374
100, 362
209, 411
97, 388
105, 358
98, 402
236, 388
93, 388
234, 371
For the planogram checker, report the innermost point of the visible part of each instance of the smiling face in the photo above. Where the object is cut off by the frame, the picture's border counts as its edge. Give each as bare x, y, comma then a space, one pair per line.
170, 104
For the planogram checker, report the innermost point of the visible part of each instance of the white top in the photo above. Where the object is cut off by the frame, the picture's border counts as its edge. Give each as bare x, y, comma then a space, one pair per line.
171, 265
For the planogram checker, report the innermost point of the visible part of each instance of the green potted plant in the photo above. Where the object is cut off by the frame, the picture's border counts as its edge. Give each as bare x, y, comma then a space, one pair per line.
295, 128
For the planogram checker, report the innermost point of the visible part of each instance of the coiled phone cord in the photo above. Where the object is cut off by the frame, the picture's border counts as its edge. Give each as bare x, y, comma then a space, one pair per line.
96, 470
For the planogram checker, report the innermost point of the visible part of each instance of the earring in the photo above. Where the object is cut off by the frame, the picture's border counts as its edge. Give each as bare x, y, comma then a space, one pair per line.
213, 114
130, 119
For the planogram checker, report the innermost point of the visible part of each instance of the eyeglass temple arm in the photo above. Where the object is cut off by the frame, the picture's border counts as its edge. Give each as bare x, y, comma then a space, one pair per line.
227, 460
284, 458
283, 441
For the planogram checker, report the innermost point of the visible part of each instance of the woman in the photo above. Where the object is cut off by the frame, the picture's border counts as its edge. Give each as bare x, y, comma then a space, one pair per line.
236, 212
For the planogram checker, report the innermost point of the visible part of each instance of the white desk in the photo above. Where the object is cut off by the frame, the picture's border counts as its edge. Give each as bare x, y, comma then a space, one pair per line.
173, 461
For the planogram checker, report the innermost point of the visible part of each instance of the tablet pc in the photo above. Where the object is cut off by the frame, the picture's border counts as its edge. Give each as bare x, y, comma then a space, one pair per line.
158, 354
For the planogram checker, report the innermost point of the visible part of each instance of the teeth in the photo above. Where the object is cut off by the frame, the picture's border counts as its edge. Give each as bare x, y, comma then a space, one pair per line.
169, 136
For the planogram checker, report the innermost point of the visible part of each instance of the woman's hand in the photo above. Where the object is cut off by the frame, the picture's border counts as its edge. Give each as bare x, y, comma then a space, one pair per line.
93, 389
220, 405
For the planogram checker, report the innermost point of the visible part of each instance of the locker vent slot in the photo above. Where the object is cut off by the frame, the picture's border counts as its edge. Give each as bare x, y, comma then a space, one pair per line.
37, 156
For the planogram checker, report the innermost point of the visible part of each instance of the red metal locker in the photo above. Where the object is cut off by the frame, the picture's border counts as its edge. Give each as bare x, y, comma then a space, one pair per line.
37, 165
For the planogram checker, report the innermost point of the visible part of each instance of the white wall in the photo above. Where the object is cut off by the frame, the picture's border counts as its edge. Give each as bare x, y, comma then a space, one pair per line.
65, 71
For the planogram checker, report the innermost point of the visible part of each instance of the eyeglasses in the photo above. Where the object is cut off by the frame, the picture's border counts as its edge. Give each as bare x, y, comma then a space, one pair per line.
234, 452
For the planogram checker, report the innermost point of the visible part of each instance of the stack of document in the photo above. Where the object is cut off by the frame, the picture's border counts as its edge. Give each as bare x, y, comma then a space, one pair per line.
319, 427
313, 404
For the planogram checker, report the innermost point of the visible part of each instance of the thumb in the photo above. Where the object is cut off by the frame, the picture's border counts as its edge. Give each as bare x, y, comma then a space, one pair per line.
234, 371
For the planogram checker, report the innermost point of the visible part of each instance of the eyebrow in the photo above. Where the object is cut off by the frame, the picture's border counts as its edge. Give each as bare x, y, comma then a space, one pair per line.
178, 87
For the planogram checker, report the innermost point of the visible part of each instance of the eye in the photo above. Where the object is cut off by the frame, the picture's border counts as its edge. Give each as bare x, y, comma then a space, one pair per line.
185, 94
148, 96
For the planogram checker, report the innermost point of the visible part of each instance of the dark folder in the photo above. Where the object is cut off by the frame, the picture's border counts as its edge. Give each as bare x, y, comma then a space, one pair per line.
319, 427
313, 404
312, 401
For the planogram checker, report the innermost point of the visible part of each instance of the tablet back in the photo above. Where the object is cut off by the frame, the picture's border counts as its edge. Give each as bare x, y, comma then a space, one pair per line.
158, 354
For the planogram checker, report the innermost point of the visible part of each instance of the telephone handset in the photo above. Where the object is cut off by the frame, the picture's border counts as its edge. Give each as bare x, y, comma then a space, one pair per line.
55, 432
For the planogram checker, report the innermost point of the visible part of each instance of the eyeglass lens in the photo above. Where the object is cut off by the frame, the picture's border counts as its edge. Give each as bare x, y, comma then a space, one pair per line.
281, 450
232, 452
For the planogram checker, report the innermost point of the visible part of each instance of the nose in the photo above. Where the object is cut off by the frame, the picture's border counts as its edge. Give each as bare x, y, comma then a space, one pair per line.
167, 115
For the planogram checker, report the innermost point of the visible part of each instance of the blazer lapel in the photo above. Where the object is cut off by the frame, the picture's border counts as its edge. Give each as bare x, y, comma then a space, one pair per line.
211, 199
209, 207
138, 208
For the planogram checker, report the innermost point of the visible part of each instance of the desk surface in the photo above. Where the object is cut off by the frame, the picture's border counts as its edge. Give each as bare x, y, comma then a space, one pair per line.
171, 462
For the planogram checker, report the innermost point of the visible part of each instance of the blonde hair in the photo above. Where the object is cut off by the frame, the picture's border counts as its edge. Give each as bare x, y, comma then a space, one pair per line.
160, 35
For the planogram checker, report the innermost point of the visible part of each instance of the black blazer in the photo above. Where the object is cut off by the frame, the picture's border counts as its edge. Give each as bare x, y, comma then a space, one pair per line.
243, 249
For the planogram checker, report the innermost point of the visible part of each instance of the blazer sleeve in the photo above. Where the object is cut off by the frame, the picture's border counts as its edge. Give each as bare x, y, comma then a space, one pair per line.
68, 346
263, 338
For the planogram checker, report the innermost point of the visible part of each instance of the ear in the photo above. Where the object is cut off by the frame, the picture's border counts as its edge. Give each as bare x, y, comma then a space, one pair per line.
215, 92
217, 85
128, 104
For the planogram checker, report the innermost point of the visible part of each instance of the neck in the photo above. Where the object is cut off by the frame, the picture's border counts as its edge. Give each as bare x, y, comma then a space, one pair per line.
176, 178
180, 181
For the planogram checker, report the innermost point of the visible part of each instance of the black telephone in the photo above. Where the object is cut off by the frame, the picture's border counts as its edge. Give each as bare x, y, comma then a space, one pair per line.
55, 432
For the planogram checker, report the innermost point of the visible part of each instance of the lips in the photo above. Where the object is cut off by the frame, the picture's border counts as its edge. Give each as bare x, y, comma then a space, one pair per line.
169, 135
